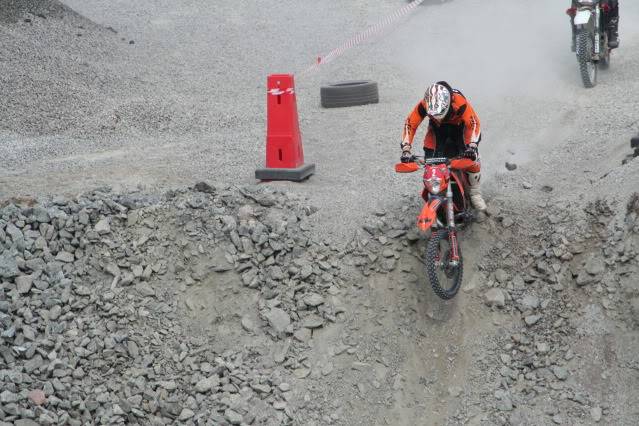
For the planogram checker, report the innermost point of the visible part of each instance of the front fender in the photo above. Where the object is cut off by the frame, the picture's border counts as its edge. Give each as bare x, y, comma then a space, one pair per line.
428, 216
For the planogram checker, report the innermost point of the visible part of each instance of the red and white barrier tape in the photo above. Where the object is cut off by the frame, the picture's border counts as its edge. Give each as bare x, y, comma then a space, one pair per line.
363, 36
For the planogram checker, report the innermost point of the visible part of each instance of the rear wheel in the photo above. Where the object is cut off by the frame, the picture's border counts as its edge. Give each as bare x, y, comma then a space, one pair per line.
587, 67
445, 278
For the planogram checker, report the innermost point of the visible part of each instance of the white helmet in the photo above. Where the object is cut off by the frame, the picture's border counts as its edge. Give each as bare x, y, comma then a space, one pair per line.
437, 99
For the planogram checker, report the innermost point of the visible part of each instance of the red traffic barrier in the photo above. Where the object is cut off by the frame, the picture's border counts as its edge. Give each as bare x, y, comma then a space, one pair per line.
284, 153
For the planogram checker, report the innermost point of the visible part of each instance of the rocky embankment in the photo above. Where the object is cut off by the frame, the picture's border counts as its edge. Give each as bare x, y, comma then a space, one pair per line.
99, 295
199, 306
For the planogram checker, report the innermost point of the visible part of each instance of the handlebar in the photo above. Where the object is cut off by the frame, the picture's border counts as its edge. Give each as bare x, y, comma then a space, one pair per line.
437, 160
434, 160
461, 163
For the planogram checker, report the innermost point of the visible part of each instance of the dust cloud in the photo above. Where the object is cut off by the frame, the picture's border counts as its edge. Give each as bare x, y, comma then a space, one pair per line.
490, 48
511, 58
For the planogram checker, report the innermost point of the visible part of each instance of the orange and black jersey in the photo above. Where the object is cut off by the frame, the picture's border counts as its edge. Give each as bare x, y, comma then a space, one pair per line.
461, 114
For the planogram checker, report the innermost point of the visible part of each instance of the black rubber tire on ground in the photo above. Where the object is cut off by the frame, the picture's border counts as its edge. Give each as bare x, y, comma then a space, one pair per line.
587, 68
349, 93
432, 250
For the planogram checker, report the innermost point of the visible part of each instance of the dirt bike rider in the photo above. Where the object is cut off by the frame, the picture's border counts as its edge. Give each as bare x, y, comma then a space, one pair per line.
611, 22
453, 130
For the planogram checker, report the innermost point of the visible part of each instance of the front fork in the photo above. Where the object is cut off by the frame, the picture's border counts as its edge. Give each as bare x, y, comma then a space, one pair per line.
597, 33
452, 229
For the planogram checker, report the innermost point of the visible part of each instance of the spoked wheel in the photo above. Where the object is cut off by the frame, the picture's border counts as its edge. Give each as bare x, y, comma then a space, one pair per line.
587, 67
445, 278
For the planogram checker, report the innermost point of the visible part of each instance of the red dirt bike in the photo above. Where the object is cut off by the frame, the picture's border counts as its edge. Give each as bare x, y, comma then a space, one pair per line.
447, 202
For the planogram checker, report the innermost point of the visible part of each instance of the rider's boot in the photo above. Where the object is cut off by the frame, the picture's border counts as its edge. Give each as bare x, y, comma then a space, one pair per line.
475, 191
613, 28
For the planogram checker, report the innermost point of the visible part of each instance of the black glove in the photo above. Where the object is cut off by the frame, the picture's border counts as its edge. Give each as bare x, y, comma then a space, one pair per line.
407, 156
471, 152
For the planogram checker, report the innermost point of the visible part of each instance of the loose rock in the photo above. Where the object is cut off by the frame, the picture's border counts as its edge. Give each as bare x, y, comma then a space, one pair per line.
233, 417
532, 319
313, 299
278, 319
24, 283
103, 227
595, 265
596, 413
313, 321
37, 397
207, 384
495, 297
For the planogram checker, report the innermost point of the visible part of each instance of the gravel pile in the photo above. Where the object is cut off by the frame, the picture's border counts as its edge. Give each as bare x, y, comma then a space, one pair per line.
73, 73
92, 323
15, 10
567, 290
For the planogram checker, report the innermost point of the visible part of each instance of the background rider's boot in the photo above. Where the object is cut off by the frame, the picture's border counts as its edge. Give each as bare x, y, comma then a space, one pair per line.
475, 191
613, 28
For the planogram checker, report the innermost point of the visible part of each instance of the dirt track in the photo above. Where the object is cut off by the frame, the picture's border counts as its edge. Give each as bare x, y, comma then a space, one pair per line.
184, 103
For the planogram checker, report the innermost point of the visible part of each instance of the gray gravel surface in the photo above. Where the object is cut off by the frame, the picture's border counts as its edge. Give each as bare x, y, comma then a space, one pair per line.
213, 325
161, 110
167, 109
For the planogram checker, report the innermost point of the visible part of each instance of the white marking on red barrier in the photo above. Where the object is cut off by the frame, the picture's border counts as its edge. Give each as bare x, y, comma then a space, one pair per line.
277, 91
363, 36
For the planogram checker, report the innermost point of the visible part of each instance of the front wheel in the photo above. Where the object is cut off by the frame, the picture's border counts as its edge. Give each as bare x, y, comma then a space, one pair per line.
587, 67
439, 268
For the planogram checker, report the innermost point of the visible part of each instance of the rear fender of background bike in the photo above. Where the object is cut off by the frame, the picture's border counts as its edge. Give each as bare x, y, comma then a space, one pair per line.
582, 18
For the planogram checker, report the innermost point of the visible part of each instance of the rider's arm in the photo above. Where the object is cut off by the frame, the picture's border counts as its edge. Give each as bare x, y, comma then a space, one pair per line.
472, 127
413, 121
